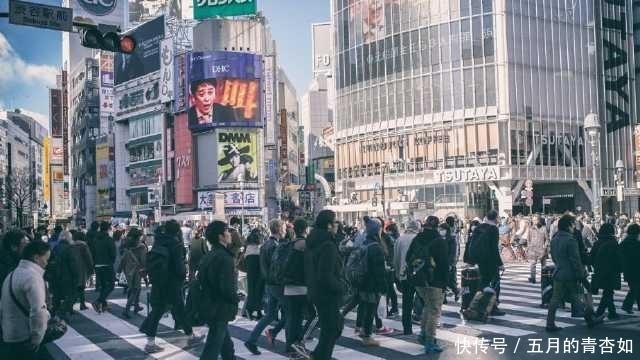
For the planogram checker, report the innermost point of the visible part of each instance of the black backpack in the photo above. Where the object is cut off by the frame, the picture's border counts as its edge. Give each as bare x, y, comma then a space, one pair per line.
357, 266
473, 252
199, 307
278, 265
157, 265
420, 269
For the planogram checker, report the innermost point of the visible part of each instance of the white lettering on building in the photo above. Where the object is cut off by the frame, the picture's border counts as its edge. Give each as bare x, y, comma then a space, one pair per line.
468, 175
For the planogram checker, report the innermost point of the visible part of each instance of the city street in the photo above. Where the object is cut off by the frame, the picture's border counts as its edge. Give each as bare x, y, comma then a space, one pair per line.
518, 335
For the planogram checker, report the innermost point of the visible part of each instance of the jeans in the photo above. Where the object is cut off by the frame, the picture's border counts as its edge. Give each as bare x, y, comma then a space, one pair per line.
433, 298
633, 295
368, 312
408, 292
105, 278
295, 306
174, 298
218, 343
275, 299
331, 323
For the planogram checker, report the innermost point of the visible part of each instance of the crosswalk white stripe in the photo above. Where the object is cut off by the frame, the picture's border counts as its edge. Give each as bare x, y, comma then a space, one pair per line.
130, 333
514, 318
78, 347
399, 345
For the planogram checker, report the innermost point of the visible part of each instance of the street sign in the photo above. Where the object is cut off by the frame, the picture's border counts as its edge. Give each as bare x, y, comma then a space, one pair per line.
42, 16
529, 202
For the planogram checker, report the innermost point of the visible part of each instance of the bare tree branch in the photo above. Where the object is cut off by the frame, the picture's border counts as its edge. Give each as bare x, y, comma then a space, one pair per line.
18, 190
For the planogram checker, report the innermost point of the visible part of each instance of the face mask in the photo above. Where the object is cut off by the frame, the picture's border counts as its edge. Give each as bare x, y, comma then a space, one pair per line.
443, 232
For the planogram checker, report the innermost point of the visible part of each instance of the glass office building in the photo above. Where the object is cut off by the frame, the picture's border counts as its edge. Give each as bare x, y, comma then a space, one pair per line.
450, 106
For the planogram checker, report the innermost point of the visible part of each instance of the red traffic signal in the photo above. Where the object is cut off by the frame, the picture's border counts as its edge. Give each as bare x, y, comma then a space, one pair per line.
93, 38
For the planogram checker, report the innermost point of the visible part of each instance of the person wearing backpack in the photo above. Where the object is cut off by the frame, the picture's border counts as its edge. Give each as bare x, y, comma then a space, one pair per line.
166, 267
295, 291
400, 264
274, 288
221, 282
324, 276
197, 250
484, 251
132, 264
374, 283
103, 250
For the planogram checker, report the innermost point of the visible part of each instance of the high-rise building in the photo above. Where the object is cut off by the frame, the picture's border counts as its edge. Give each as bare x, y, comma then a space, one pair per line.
459, 106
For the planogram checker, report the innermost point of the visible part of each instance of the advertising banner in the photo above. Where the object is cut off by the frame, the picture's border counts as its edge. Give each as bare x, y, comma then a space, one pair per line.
105, 169
224, 89
183, 160
145, 58
232, 198
55, 109
366, 18
321, 46
237, 156
106, 83
181, 95
205, 9
269, 116
166, 70
56, 156
636, 148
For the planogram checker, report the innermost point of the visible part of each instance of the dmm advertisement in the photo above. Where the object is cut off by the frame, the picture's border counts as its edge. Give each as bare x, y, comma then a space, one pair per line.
145, 58
224, 89
237, 156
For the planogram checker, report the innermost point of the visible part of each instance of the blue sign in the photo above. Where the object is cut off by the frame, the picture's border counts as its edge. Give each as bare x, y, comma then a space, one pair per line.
98, 7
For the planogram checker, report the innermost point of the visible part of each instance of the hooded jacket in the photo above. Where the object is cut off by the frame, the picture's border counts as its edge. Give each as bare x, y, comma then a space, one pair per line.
323, 269
222, 282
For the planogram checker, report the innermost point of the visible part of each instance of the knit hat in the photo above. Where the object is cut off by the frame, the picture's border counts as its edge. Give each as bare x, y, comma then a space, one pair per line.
414, 225
373, 226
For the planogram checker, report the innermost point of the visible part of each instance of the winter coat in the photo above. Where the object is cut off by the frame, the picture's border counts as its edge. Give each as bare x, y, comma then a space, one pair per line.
83, 262
538, 242
66, 277
8, 262
294, 269
177, 269
236, 242
489, 243
605, 257
197, 250
266, 254
133, 262
374, 282
566, 256
103, 249
630, 253
323, 267
430, 243
221, 280
29, 289
400, 254
418, 247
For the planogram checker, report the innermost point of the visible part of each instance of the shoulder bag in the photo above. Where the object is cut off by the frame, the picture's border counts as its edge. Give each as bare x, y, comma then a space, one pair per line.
56, 327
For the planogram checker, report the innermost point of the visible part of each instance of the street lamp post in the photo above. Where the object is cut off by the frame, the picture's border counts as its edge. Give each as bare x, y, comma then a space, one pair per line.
241, 180
619, 179
382, 195
592, 128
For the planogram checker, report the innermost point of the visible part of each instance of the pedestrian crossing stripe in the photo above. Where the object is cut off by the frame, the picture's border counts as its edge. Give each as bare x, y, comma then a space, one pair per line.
93, 336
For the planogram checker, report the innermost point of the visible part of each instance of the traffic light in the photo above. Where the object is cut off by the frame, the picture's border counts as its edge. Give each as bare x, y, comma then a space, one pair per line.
106, 37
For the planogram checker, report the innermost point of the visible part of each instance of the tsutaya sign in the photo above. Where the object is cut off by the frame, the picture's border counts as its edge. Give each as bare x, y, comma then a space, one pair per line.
467, 175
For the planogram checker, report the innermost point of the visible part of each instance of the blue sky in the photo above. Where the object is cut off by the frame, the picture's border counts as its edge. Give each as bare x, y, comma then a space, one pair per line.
30, 57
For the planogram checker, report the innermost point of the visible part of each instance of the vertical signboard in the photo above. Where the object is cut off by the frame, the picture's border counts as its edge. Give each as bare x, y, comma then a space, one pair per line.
269, 116
106, 83
46, 175
166, 70
321, 46
55, 111
183, 160
180, 84
636, 143
105, 178
65, 120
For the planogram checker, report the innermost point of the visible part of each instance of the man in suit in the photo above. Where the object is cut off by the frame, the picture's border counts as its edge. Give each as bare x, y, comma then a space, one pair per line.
205, 109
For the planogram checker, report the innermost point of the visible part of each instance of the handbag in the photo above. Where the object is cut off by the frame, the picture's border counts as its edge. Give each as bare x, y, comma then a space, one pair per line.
56, 327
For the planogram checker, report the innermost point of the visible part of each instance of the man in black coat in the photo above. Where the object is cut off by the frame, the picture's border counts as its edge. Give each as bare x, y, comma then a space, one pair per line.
103, 250
490, 263
221, 280
168, 292
324, 276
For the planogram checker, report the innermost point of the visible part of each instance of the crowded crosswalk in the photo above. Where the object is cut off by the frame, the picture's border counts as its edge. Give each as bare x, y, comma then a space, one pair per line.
108, 336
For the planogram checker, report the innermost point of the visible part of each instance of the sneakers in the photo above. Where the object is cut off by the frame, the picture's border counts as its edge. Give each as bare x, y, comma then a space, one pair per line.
97, 307
384, 331
497, 312
195, 339
357, 330
532, 280
269, 336
152, 348
137, 308
252, 348
431, 347
369, 341
628, 310
301, 351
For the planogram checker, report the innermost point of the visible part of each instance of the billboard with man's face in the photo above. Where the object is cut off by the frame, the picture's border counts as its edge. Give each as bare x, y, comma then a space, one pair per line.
223, 89
237, 156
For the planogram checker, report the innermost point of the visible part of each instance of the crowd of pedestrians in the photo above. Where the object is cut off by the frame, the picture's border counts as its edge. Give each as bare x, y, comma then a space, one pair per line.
301, 276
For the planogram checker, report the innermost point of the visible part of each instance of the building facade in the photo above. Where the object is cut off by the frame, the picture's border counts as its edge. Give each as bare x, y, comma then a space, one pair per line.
451, 106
